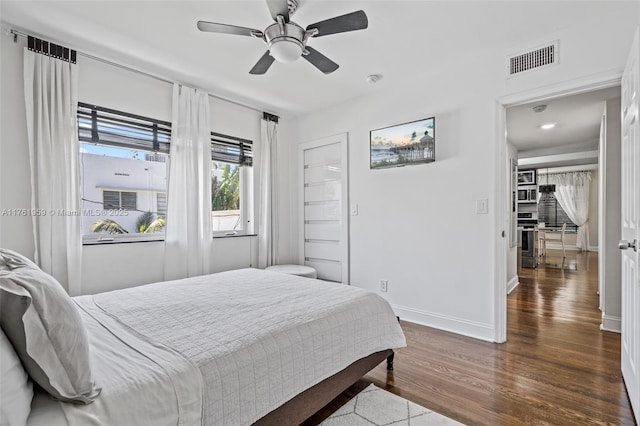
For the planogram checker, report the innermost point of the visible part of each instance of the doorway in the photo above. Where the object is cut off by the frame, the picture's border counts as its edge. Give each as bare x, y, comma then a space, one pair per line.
557, 157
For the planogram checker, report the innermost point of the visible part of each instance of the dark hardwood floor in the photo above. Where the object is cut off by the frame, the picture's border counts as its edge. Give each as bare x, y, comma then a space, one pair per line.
557, 367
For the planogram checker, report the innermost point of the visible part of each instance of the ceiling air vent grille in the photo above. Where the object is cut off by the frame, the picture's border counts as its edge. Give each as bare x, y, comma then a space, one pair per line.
533, 59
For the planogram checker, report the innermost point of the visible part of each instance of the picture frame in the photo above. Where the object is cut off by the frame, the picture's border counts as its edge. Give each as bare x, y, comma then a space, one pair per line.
403, 144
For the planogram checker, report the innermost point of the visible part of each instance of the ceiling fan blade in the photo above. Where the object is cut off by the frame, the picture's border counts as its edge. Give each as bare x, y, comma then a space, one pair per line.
263, 64
213, 27
278, 7
340, 24
320, 61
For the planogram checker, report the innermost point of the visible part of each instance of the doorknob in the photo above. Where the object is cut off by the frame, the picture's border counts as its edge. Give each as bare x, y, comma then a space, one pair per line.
624, 244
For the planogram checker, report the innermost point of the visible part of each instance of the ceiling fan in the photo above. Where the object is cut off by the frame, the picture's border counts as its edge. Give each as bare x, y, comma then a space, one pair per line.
286, 40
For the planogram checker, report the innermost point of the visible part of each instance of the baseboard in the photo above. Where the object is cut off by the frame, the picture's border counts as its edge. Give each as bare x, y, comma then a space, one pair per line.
512, 284
464, 327
610, 323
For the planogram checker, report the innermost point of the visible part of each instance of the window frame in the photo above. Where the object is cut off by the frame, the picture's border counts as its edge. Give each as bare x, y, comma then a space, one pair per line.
246, 206
223, 150
118, 129
162, 130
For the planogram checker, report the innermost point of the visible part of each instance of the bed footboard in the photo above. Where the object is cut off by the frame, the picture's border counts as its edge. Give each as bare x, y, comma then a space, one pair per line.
307, 403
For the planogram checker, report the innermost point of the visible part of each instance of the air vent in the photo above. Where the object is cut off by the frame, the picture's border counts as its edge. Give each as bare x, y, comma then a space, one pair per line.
533, 59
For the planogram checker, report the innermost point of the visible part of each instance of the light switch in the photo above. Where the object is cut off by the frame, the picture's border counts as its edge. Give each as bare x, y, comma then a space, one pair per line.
482, 206
354, 210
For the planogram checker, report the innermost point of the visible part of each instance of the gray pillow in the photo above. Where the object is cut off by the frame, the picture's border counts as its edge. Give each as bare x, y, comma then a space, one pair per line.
45, 329
16, 390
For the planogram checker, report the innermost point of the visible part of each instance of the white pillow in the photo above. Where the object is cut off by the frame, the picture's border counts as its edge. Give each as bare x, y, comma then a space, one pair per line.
46, 330
16, 390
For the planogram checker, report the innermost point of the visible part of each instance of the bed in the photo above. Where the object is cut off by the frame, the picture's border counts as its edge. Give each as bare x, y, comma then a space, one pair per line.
233, 348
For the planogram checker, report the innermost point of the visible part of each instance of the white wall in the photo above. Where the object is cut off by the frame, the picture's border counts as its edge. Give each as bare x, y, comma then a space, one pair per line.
105, 267
15, 192
416, 226
609, 273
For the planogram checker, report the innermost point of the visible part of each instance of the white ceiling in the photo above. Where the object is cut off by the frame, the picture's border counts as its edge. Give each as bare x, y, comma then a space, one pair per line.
577, 121
405, 41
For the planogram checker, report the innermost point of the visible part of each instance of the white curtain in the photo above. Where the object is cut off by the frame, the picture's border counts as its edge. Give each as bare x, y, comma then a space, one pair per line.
268, 224
51, 98
572, 193
188, 235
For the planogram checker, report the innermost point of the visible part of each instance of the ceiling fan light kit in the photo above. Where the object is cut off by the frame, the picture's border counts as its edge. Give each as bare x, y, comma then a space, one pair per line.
287, 41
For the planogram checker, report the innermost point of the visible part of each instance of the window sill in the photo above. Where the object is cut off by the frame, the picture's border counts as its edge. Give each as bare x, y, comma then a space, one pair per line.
232, 234
147, 239
120, 239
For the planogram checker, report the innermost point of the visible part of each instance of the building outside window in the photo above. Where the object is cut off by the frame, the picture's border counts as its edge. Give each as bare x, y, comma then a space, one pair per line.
124, 170
161, 203
123, 159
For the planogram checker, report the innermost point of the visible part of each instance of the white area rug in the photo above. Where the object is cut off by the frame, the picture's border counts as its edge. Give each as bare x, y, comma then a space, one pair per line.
375, 406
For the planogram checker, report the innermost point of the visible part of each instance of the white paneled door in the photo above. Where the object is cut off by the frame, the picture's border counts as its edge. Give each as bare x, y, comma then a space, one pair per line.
324, 207
631, 227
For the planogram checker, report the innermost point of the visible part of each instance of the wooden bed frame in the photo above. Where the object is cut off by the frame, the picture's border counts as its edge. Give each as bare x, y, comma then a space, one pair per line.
307, 403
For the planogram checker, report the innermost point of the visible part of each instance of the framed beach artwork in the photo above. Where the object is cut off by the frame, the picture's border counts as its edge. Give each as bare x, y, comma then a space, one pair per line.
403, 144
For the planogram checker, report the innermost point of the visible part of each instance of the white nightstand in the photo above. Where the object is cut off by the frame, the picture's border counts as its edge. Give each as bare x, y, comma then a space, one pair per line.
300, 270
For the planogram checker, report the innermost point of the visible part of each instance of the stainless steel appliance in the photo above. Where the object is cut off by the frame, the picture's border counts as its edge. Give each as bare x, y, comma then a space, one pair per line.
527, 220
527, 194
528, 215
528, 248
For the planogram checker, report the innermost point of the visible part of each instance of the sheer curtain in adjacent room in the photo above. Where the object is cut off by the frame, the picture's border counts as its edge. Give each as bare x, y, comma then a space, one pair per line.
572, 193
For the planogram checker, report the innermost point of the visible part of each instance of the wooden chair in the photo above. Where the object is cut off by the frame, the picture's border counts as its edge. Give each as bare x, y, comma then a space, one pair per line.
553, 236
542, 249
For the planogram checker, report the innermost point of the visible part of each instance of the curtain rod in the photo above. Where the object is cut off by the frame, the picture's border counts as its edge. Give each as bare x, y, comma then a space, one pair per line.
17, 34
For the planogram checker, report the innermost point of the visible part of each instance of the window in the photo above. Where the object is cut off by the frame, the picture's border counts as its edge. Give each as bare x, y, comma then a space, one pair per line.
230, 178
161, 203
119, 200
123, 161
551, 213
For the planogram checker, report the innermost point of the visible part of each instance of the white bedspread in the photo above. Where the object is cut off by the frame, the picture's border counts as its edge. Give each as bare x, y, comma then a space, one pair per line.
223, 349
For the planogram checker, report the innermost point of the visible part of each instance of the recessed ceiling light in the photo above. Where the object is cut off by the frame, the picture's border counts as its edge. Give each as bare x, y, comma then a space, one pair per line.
539, 108
548, 126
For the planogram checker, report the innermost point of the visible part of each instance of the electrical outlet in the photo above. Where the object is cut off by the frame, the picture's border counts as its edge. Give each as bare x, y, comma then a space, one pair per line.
384, 285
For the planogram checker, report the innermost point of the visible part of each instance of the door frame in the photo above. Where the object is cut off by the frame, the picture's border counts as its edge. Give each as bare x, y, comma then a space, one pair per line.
343, 140
501, 248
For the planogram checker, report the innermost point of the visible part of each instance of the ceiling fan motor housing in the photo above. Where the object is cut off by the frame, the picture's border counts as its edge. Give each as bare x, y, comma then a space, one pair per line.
285, 41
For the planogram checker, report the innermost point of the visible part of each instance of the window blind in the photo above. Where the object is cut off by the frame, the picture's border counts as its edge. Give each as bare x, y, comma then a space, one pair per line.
121, 129
116, 128
231, 149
